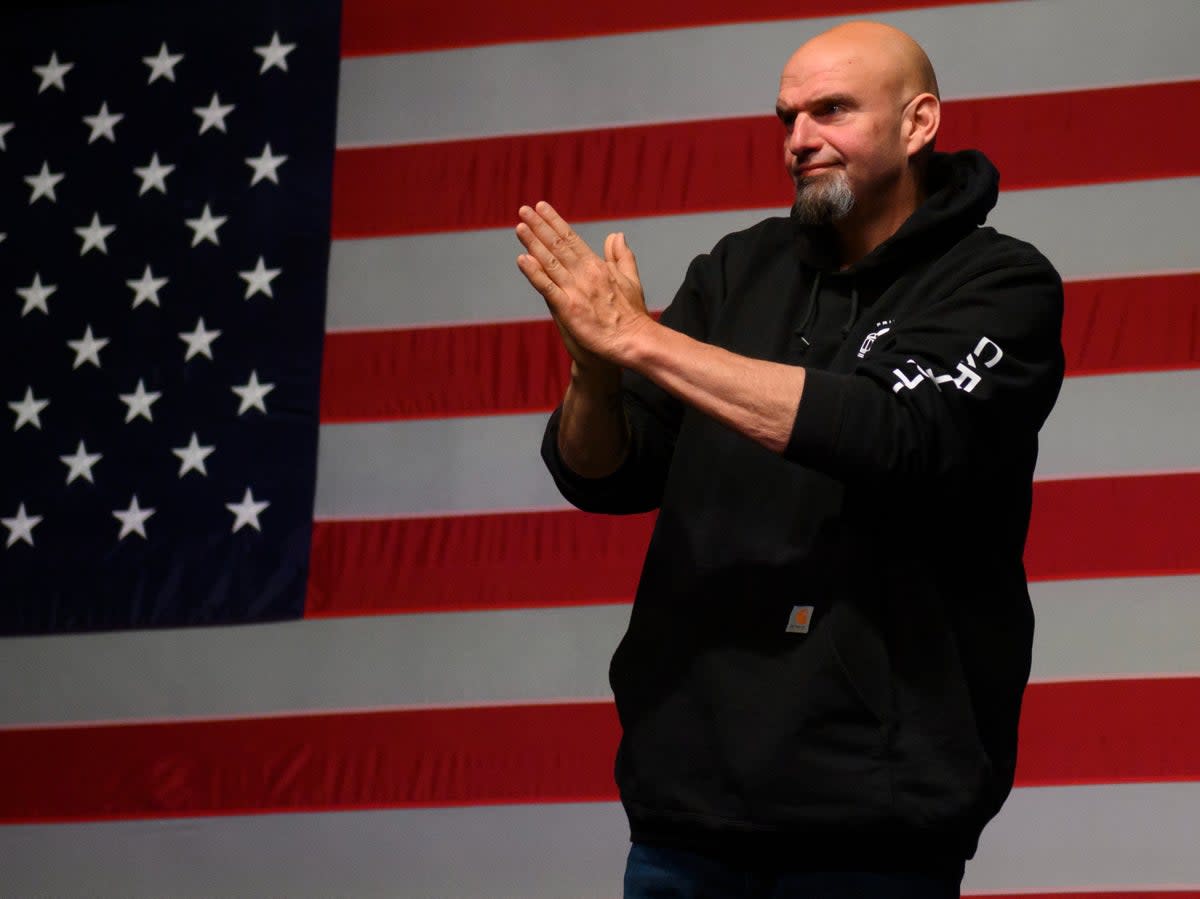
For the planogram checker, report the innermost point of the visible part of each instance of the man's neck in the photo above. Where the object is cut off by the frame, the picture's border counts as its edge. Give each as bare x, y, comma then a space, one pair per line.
865, 229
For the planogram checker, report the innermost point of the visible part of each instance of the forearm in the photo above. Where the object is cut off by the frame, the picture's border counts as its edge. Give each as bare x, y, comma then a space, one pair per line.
756, 398
593, 432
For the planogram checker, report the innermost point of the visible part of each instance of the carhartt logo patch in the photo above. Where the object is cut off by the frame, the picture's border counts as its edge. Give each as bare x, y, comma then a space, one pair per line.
799, 620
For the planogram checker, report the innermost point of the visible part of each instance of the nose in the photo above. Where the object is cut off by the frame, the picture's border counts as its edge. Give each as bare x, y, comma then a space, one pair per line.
803, 139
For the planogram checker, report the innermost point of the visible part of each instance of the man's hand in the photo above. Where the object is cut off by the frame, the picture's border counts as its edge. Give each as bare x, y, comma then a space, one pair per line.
598, 306
597, 303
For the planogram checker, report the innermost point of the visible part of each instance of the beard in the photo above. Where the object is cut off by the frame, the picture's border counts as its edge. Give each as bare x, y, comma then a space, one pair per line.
823, 199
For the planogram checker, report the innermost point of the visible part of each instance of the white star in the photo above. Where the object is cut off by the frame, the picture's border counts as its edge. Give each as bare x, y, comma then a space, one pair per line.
94, 235
145, 289
199, 341
259, 279
52, 73
246, 512
133, 519
252, 394
265, 166
80, 464
102, 124
5, 127
213, 115
205, 227
274, 54
162, 65
192, 456
153, 175
87, 348
42, 183
35, 295
139, 402
27, 410
21, 527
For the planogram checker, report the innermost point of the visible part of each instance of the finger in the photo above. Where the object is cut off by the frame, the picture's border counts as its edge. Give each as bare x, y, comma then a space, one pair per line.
624, 285
608, 248
555, 233
553, 267
625, 259
536, 275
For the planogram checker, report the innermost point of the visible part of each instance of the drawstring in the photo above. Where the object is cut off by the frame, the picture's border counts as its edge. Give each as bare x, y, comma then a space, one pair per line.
853, 310
810, 311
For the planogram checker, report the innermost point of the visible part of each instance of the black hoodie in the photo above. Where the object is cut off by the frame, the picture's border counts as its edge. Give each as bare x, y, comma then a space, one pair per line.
827, 651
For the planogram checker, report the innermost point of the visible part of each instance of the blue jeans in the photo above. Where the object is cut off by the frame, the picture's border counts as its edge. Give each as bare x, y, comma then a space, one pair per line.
655, 872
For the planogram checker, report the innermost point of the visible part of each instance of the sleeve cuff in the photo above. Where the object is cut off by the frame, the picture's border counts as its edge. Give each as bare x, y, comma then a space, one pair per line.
817, 429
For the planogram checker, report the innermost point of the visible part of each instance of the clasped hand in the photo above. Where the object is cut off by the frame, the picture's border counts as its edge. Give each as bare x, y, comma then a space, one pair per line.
597, 303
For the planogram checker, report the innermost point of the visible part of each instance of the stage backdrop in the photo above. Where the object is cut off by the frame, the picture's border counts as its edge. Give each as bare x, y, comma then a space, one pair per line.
207, 691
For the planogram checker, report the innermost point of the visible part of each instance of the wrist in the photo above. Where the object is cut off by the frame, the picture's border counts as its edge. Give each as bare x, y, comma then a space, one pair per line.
638, 342
598, 378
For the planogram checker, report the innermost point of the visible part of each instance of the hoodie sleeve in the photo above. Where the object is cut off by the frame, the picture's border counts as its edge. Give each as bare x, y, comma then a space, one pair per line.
654, 418
955, 388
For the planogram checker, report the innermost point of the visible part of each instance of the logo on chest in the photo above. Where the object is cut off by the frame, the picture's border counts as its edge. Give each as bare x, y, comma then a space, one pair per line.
881, 328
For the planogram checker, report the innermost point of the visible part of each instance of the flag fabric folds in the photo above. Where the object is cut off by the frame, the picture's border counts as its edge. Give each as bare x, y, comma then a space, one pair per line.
415, 702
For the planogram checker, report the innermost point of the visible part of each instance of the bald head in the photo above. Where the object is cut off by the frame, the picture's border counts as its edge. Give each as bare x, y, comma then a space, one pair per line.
890, 56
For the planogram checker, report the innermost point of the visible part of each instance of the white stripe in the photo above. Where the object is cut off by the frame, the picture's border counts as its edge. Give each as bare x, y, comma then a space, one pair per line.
1123, 424
733, 70
1087, 232
1071, 838
1108, 424
1119, 627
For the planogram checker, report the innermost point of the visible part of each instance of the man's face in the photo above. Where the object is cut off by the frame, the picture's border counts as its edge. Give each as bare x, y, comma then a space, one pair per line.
843, 147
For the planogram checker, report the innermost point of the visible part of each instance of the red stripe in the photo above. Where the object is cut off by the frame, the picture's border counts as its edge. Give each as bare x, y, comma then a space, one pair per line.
1120, 731
1086, 528
382, 26
1043, 140
483, 369
1118, 325
1114, 527
506, 560
1132, 324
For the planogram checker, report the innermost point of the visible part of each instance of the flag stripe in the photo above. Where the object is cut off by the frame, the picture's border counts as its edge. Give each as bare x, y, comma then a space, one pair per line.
1110, 326
1136, 627
988, 50
1124, 730
1045, 140
1107, 424
381, 26
1080, 529
1114, 527
1072, 843
457, 278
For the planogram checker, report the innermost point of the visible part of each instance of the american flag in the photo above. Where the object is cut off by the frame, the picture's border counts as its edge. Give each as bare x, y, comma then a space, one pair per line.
436, 720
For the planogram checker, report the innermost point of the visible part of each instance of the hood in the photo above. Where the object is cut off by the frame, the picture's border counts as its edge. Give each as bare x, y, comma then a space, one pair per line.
961, 189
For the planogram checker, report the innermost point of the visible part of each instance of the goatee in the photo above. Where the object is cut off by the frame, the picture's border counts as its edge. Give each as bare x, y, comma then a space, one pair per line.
823, 199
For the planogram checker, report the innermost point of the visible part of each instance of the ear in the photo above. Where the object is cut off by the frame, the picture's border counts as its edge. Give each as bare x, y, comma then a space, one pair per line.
921, 122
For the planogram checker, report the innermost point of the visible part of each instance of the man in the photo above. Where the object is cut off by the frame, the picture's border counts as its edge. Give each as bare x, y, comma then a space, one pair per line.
837, 418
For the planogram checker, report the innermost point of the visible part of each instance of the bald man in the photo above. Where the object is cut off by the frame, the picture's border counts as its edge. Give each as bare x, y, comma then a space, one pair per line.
837, 419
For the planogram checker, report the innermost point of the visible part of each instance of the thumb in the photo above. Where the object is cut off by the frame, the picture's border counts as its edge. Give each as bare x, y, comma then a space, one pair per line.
625, 259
